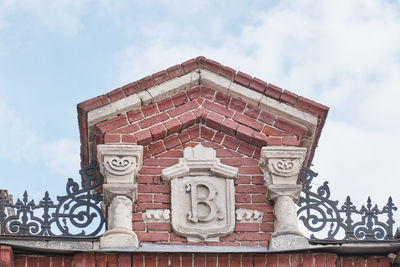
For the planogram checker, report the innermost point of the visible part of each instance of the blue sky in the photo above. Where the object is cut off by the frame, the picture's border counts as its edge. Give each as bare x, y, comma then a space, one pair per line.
344, 54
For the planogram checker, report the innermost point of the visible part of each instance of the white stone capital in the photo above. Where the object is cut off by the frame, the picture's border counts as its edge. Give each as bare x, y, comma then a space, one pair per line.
119, 163
282, 163
291, 190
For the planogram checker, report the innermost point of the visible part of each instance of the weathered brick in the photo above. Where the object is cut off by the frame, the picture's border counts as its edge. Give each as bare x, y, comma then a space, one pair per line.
311, 107
229, 126
258, 85
150, 170
267, 227
112, 138
237, 105
267, 117
165, 104
227, 72
194, 93
232, 161
274, 141
183, 108
187, 119
173, 126
288, 97
145, 83
194, 131
166, 162
273, 91
253, 236
251, 189
251, 111
175, 71
259, 139
112, 124
162, 198
160, 77
166, 189
189, 65
127, 129
243, 79
207, 93
290, 141
143, 236
270, 131
250, 170
158, 132
230, 142
153, 120
222, 99
246, 149
172, 141
207, 133
143, 137
252, 123
135, 115
212, 65
244, 133
159, 227
157, 148
243, 199
179, 99
93, 103
214, 120
218, 108
128, 138
291, 127
131, 88
150, 110
116, 94
184, 137
218, 137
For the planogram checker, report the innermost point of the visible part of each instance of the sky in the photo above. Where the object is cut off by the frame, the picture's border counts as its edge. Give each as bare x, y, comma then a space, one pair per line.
343, 54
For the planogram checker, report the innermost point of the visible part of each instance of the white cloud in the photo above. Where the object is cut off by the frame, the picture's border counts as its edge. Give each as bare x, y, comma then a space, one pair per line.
63, 16
344, 54
22, 143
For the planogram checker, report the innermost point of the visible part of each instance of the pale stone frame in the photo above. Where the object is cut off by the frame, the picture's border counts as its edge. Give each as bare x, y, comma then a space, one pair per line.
201, 162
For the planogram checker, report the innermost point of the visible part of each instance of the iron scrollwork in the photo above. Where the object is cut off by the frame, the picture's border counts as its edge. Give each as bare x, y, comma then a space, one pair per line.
77, 213
326, 217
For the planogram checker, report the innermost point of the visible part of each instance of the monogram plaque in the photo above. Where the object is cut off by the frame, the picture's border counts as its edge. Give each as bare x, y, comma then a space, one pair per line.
202, 196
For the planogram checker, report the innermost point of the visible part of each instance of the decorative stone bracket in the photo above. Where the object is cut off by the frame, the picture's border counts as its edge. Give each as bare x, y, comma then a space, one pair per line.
119, 164
202, 195
281, 166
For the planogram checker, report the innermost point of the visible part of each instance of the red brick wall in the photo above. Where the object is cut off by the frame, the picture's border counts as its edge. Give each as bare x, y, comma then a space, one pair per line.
236, 130
198, 260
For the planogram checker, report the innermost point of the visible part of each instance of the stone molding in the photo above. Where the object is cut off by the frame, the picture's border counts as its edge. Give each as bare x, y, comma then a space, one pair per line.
248, 216
119, 164
202, 195
291, 190
282, 164
199, 161
157, 215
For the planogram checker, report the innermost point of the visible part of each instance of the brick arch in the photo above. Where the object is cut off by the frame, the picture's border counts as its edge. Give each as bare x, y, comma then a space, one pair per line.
200, 112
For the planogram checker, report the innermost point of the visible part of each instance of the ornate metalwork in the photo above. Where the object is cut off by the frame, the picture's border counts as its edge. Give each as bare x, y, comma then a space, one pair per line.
321, 214
76, 210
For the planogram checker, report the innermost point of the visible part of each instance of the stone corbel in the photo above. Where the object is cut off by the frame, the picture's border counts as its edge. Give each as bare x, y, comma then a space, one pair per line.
119, 164
281, 166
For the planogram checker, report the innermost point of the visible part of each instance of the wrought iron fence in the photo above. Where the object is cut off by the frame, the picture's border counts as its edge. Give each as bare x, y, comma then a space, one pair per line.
326, 217
75, 214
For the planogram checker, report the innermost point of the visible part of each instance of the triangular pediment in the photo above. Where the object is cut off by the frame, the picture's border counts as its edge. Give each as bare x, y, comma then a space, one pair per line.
200, 99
